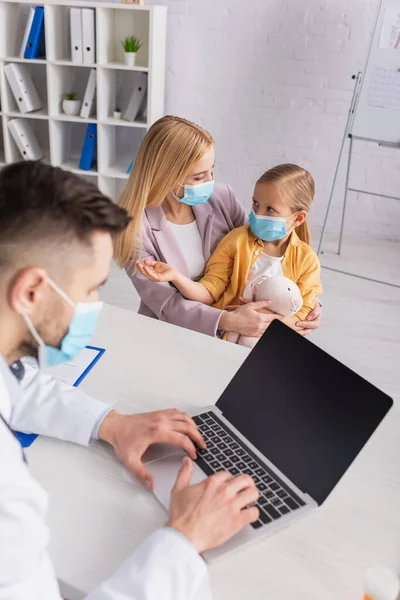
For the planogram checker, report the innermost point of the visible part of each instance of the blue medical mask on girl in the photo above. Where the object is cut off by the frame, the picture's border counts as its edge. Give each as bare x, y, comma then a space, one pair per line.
81, 329
269, 229
194, 195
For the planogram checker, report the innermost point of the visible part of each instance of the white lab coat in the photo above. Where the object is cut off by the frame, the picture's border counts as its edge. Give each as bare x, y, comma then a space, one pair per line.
165, 567
50, 407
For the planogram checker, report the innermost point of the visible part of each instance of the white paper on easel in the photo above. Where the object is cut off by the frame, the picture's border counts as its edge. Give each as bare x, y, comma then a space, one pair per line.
384, 88
390, 32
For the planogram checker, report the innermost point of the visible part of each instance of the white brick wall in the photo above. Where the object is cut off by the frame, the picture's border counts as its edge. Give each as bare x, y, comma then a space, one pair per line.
271, 80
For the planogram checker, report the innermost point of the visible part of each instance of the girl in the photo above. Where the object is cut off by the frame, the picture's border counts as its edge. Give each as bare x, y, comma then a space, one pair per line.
275, 242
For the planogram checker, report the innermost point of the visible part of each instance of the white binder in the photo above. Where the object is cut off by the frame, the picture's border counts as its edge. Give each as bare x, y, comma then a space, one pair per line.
75, 16
88, 35
89, 97
23, 88
28, 25
25, 139
138, 94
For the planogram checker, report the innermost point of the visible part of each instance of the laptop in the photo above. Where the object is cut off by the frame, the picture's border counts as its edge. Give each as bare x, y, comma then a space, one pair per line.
293, 418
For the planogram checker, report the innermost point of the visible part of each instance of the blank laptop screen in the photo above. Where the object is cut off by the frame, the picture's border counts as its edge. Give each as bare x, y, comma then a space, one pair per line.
305, 411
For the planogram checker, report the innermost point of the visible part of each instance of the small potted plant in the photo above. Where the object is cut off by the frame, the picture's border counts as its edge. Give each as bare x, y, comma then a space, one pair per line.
117, 113
131, 45
71, 105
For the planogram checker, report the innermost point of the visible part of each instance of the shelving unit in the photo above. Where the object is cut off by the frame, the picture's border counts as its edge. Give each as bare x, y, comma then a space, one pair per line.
61, 136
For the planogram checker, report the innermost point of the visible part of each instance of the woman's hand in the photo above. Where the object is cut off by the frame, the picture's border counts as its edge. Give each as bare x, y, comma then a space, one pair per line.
249, 320
312, 322
157, 271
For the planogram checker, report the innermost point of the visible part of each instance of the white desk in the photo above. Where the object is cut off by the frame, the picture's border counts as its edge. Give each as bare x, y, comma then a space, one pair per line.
99, 514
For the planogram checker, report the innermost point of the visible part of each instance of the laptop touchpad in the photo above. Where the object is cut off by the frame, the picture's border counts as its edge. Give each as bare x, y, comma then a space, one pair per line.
165, 472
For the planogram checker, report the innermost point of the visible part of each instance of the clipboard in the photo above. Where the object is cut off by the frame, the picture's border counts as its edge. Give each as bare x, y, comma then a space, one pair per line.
26, 439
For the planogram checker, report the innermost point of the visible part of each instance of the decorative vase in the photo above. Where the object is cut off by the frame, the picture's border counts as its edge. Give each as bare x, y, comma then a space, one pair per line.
71, 107
130, 59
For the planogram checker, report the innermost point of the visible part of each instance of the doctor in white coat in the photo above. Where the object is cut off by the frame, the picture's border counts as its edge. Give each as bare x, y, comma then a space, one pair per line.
55, 251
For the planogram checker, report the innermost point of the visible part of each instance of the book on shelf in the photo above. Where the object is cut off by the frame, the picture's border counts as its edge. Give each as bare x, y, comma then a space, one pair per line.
89, 148
137, 98
23, 88
28, 25
90, 96
35, 44
25, 139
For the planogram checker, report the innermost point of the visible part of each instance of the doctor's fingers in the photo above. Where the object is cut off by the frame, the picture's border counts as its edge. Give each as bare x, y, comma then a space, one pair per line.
181, 440
246, 498
190, 430
240, 484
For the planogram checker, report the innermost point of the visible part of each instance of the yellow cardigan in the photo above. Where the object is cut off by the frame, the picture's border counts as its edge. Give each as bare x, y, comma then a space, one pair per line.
228, 269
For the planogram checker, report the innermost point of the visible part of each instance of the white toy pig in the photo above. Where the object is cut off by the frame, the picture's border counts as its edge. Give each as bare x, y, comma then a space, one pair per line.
285, 297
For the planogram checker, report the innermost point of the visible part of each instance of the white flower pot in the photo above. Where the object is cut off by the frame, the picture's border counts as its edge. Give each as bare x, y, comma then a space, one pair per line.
117, 114
130, 59
71, 107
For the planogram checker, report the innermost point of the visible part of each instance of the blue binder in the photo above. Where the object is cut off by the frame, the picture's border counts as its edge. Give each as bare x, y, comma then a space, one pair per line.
26, 439
89, 147
129, 169
35, 46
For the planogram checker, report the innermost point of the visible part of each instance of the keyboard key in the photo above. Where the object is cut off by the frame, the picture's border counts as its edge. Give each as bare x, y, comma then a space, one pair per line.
216, 428
220, 457
209, 421
262, 500
274, 486
204, 466
291, 503
234, 471
197, 419
271, 511
260, 472
267, 479
214, 438
283, 510
241, 465
228, 452
248, 472
202, 451
264, 517
276, 501
235, 459
269, 494
257, 525
281, 494
227, 439
247, 459
261, 486
240, 452
234, 446
227, 464
214, 464
207, 457
222, 446
253, 465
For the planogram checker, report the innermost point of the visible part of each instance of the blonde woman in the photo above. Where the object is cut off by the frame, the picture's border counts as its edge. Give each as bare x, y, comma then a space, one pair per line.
275, 242
179, 216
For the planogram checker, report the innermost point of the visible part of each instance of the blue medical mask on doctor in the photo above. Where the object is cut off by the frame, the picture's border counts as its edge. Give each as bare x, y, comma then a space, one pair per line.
196, 194
269, 229
81, 329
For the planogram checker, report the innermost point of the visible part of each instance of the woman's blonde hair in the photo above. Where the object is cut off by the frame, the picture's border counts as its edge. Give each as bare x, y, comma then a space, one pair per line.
297, 185
169, 150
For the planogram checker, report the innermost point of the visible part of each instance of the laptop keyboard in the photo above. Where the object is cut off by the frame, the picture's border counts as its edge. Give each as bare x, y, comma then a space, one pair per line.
225, 452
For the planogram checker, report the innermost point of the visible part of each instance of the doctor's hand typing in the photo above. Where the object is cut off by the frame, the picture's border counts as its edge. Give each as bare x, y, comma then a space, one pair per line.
131, 436
211, 512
